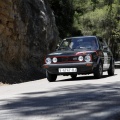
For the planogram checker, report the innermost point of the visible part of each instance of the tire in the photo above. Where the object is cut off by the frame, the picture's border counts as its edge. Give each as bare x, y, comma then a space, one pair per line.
51, 77
98, 72
73, 76
111, 69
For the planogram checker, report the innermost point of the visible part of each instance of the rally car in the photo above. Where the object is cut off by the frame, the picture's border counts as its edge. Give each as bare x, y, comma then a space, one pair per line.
80, 55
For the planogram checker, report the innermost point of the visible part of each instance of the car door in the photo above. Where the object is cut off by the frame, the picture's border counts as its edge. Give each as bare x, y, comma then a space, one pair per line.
106, 54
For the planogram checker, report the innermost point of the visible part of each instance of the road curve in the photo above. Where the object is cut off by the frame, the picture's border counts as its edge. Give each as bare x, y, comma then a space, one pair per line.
85, 98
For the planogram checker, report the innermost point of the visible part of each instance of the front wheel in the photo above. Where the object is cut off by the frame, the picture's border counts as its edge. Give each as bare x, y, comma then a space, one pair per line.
98, 72
51, 77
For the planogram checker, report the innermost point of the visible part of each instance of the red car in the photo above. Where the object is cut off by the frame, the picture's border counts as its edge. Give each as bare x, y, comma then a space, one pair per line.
80, 55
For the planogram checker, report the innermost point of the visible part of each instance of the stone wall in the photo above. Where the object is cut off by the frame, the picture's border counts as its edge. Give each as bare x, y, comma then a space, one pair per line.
27, 33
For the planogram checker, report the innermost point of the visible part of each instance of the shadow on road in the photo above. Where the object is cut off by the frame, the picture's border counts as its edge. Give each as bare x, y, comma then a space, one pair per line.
80, 78
75, 102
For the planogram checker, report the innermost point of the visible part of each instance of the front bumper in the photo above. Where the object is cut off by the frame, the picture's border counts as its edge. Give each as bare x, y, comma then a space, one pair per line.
82, 68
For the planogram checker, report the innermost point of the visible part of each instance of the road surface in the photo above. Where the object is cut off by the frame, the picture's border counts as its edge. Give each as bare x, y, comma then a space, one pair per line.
85, 98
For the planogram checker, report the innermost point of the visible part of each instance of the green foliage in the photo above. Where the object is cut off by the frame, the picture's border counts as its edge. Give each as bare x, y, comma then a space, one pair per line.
90, 17
102, 18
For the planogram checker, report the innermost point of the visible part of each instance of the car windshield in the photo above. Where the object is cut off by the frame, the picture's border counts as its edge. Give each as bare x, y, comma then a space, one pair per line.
83, 43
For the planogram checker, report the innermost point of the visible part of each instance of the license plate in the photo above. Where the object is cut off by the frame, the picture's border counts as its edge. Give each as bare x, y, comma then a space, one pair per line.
62, 70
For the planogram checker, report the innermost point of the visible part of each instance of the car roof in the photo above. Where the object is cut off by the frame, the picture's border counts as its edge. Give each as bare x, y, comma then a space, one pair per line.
79, 37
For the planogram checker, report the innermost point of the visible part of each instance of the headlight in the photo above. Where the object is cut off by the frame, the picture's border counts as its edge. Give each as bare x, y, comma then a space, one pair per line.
54, 60
80, 58
48, 60
87, 58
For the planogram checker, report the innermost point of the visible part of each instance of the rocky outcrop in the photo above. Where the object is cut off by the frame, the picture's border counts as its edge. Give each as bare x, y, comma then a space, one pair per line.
27, 33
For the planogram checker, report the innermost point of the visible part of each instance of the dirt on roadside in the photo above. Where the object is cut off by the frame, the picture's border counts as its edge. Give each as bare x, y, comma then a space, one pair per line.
14, 77
2, 84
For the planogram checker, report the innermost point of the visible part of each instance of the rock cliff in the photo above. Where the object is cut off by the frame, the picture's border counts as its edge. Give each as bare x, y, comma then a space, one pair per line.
27, 33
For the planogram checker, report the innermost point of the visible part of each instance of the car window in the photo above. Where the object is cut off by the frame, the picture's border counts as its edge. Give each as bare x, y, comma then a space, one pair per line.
102, 43
66, 44
85, 43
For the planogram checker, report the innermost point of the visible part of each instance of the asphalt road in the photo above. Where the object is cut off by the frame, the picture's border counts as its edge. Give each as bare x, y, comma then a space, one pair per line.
83, 99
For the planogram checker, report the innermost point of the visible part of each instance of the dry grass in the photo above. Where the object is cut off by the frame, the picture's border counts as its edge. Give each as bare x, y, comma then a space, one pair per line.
2, 84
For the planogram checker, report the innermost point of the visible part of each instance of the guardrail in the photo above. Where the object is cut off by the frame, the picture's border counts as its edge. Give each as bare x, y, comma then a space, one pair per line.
117, 64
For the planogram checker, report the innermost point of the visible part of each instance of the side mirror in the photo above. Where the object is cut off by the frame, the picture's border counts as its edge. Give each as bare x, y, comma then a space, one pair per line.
105, 48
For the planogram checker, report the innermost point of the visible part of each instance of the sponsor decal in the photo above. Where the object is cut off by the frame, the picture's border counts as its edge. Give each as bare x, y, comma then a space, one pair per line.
84, 53
79, 53
106, 65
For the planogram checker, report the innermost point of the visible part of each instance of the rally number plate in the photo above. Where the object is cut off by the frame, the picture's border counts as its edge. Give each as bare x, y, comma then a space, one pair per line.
62, 70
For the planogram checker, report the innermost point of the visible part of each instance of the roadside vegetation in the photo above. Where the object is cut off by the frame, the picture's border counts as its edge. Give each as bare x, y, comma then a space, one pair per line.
89, 17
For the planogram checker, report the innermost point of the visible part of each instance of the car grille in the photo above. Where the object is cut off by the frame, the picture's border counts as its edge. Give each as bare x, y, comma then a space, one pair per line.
67, 59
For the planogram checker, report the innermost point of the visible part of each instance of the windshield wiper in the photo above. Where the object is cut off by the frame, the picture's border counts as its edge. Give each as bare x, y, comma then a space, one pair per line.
89, 47
80, 47
65, 48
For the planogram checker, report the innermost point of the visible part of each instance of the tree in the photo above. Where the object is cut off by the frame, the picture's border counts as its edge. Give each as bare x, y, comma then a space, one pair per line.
100, 18
64, 14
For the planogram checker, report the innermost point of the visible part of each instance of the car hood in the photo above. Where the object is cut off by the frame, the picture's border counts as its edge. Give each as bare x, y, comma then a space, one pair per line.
69, 53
